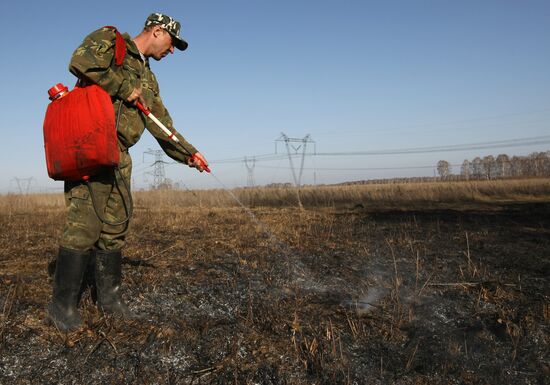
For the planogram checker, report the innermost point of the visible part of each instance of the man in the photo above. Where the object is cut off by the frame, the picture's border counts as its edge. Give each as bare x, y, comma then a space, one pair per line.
99, 210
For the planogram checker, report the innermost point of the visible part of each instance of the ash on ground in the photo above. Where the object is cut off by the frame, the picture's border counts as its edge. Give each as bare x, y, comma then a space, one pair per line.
353, 297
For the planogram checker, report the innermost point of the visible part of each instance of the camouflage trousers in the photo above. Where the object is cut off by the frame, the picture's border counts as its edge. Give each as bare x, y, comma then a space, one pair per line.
111, 196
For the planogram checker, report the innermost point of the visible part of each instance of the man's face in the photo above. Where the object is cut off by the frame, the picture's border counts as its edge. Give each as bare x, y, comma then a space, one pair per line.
162, 43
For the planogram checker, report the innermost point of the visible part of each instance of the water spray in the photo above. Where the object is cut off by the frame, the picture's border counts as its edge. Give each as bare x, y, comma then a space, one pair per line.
281, 245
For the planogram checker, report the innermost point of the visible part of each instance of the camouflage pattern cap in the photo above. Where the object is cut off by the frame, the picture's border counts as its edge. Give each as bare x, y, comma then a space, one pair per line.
170, 25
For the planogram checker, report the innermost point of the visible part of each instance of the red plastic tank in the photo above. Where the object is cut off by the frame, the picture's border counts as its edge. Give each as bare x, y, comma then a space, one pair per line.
80, 135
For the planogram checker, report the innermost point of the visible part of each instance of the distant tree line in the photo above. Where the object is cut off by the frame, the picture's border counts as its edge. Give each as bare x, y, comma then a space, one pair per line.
503, 166
414, 179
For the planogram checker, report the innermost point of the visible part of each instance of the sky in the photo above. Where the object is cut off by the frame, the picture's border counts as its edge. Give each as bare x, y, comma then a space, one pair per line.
356, 75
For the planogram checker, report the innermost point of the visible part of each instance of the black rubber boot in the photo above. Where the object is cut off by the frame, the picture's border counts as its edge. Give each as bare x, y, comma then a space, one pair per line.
108, 276
88, 281
69, 270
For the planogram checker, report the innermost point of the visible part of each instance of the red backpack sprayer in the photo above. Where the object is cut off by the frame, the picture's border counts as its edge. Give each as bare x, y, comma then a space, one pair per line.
80, 133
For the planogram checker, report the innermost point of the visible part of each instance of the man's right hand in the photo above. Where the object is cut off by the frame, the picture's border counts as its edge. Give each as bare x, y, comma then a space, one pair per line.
199, 162
135, 97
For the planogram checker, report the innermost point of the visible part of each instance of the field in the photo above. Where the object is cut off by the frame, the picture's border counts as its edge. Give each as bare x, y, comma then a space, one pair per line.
435, 283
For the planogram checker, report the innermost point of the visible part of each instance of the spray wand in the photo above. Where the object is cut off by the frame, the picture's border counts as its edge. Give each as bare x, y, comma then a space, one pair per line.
196, 157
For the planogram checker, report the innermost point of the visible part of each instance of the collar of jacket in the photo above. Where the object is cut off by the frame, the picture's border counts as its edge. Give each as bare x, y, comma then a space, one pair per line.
131, 47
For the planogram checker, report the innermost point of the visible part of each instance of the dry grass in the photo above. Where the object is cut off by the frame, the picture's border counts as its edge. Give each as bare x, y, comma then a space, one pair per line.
401, 195
390, 195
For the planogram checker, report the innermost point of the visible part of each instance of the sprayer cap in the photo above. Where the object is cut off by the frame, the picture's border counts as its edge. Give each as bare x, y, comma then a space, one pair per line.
56, 90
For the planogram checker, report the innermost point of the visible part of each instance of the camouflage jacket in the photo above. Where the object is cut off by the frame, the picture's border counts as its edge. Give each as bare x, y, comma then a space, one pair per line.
93, 62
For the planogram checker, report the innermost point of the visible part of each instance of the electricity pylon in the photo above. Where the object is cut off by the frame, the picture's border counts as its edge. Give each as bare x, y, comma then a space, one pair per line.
250, 164
158, 173
303, 145
23, 184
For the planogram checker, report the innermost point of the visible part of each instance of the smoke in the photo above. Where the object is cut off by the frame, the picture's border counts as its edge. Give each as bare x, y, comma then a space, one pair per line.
379, 281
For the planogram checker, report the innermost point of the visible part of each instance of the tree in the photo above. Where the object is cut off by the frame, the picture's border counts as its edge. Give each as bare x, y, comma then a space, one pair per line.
466, 169
443, 169
503, 167
488, 164
516, 166
538, 163
547, 164
477, 167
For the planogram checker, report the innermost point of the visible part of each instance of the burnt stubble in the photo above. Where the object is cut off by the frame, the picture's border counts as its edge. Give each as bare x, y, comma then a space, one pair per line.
358, 295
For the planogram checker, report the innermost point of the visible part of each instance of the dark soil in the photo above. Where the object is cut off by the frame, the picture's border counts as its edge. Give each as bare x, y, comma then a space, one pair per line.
312, 297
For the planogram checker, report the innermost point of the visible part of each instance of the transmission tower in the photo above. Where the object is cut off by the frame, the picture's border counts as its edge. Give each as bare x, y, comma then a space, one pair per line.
23, 184
158, 173
301, 144
250, 164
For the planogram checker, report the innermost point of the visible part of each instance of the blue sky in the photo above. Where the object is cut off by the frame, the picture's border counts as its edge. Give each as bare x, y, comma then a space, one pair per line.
355, 75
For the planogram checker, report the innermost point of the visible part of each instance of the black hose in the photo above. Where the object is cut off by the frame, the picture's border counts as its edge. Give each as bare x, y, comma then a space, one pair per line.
128, 208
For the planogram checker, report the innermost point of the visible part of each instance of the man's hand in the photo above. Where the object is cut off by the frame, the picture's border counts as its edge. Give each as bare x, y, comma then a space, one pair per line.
135, 97
199, 162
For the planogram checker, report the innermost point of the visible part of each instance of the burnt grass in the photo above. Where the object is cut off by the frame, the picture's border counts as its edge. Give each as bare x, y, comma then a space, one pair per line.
327, 296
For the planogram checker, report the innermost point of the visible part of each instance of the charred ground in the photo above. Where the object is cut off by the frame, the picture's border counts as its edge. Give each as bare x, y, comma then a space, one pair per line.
351, 296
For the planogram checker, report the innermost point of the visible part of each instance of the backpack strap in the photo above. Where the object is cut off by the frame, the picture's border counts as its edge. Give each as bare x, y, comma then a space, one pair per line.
120, 46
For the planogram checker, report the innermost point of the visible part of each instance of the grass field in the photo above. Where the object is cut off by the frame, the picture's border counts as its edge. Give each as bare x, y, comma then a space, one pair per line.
429, 283
399, 196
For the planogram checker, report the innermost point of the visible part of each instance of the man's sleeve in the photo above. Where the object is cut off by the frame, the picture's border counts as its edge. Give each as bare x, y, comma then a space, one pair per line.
178, 151
92, 62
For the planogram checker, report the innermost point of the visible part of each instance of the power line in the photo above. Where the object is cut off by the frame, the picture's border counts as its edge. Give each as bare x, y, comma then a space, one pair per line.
360, 168
258, 158
463, 147
545, 139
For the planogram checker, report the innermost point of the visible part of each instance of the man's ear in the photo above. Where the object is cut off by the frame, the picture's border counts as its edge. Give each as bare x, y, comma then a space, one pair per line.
157, 30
